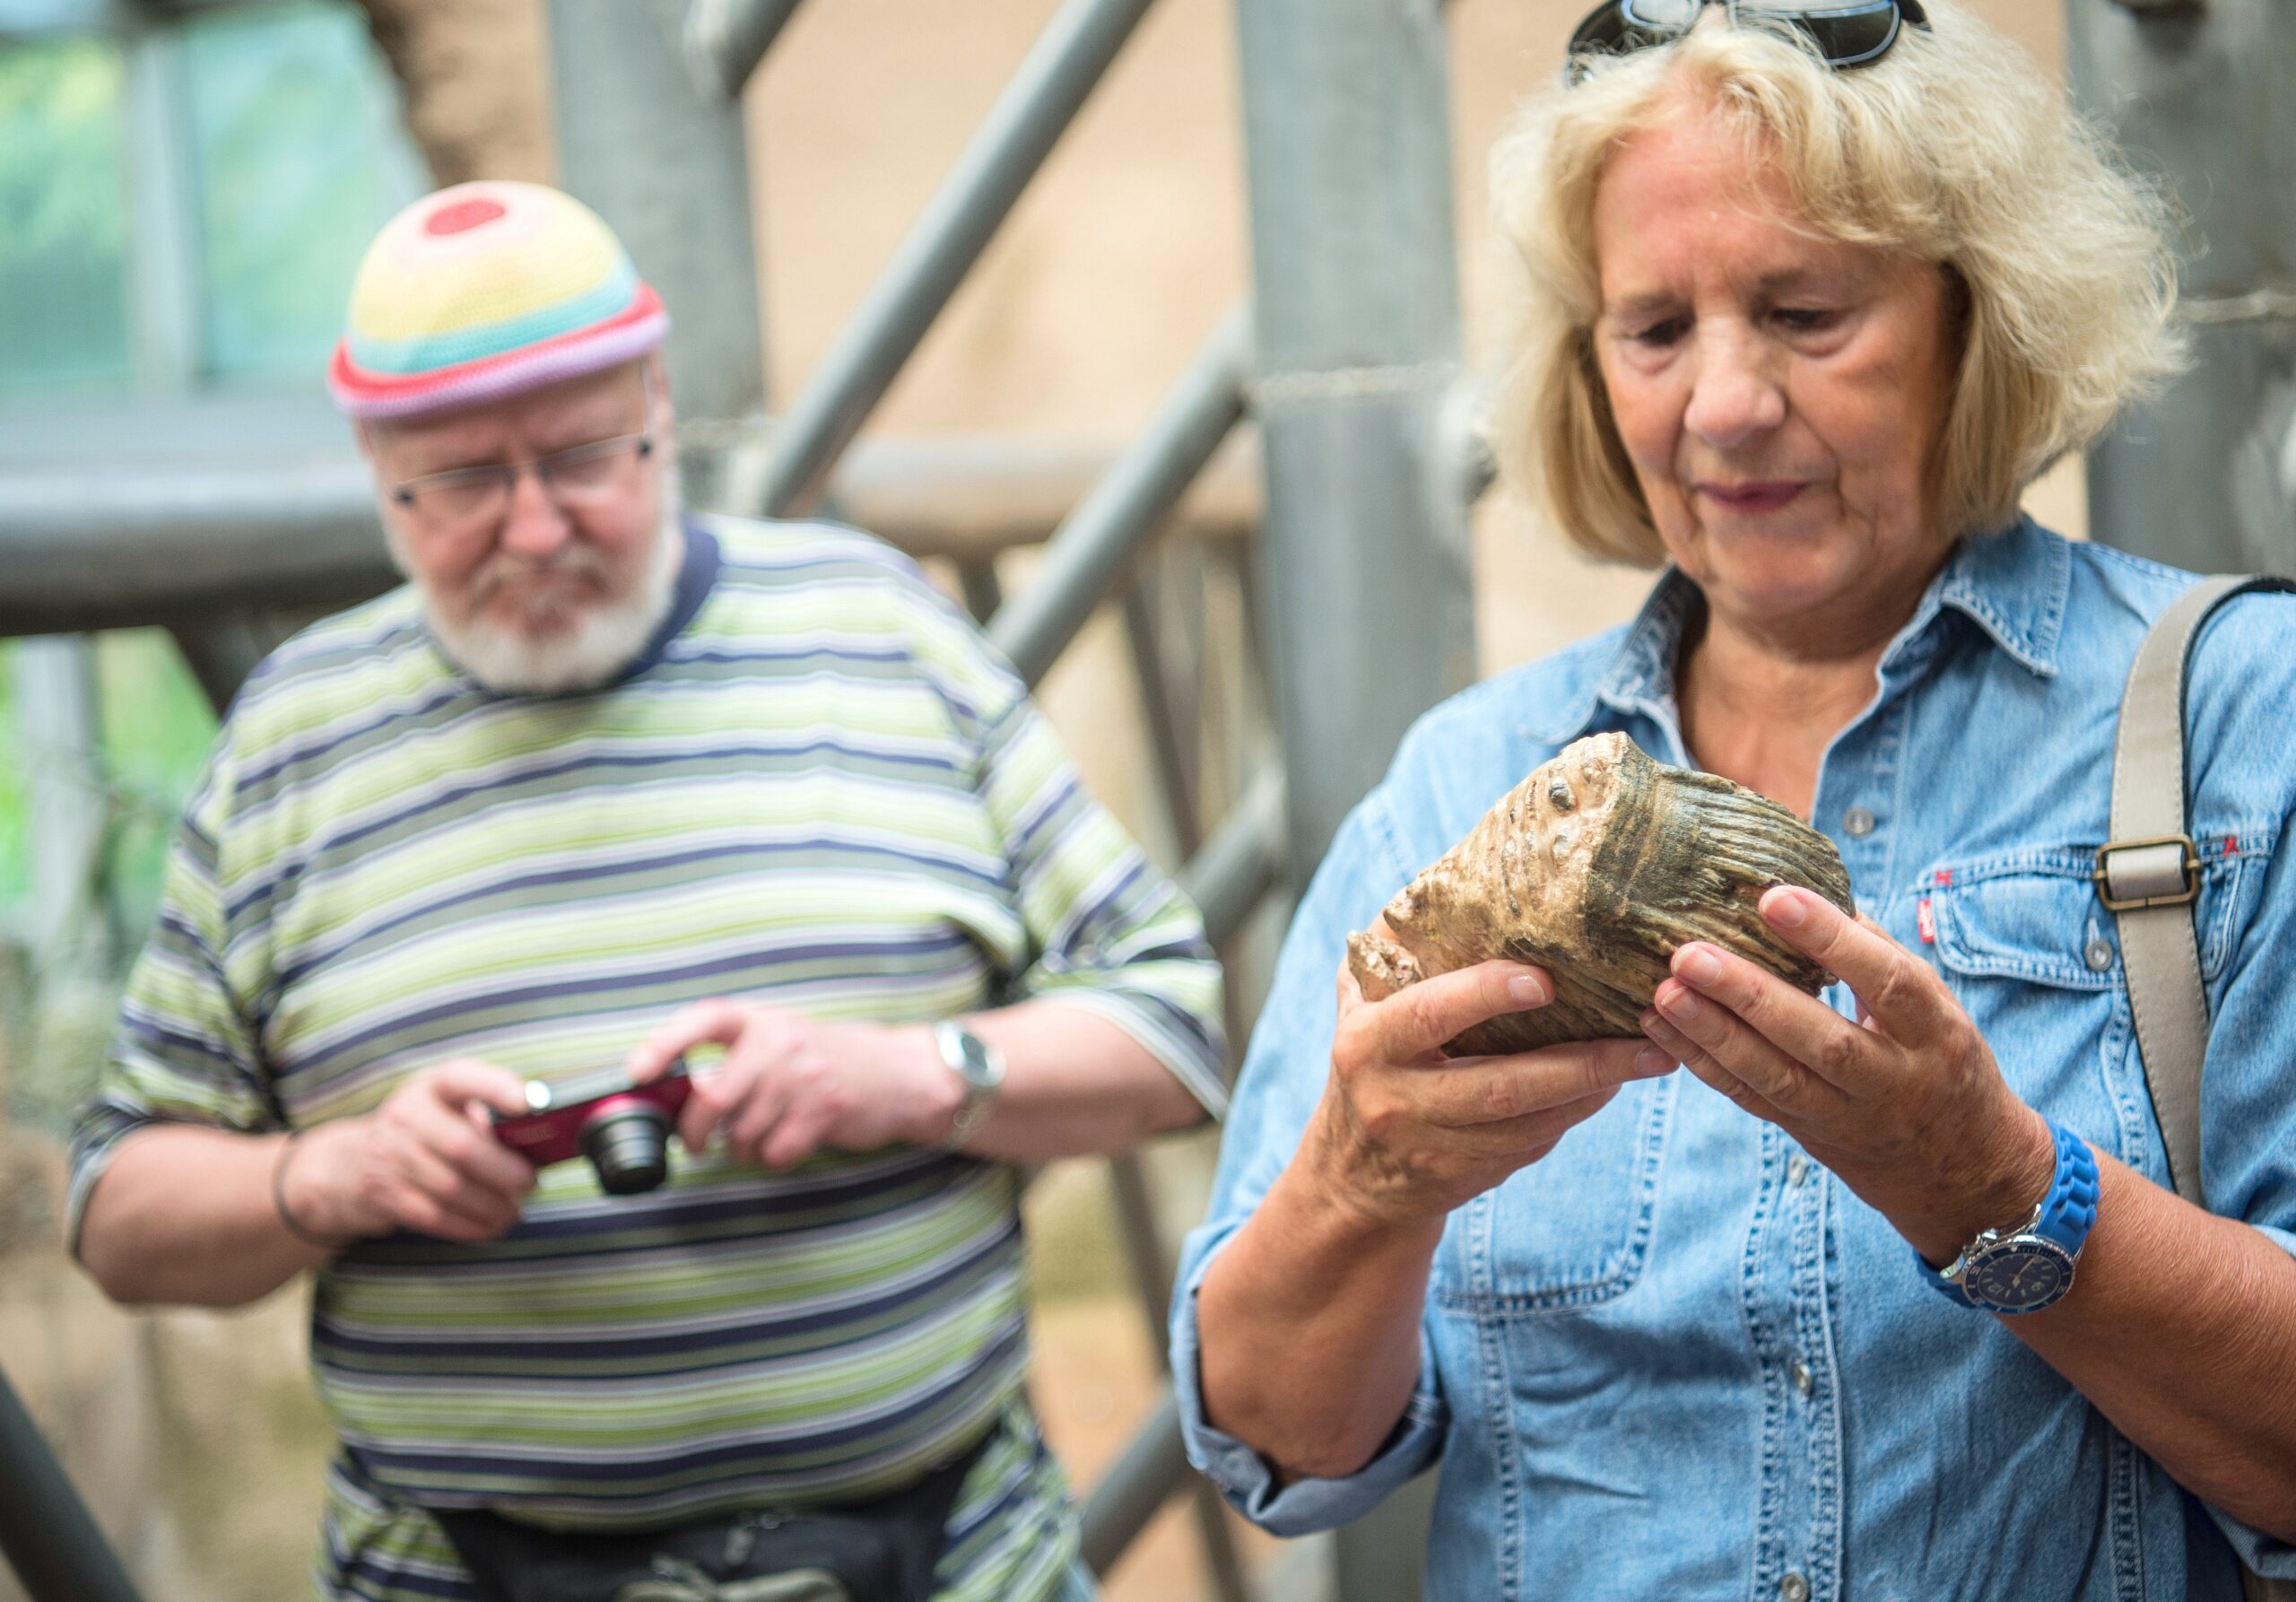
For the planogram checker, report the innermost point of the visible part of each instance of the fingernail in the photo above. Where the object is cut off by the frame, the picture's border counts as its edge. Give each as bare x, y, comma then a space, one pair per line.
1679, 1003
1656, 1026
1698, 966
1527, 989
1786, 908
1651, 1060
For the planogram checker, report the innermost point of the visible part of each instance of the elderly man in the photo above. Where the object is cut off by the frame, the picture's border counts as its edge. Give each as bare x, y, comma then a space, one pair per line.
605, 785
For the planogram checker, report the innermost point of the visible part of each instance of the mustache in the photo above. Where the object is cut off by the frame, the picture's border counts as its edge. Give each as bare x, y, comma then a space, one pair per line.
570, 562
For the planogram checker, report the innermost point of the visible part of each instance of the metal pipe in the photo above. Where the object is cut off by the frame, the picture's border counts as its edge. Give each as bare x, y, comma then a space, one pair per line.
1124, 508
2203, 99
94, 546
1152, 1274
728, 40
48, 1536
1242, 860
666, 165
1020, 131
1174, 736
1152, 1466
1348, 156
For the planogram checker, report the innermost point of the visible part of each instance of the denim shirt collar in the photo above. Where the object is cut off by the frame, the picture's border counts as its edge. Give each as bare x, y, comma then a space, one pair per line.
2011, 585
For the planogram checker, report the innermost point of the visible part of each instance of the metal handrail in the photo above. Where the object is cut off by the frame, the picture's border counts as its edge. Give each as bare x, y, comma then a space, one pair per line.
726, 40
1086, 552
45, 1531
1035, 108
1137, 1484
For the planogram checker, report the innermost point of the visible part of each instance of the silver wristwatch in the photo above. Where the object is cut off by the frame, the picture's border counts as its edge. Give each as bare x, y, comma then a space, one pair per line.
980, 1066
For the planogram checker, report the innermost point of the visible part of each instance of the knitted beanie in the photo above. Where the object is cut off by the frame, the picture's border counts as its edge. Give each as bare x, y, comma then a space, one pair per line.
482, 290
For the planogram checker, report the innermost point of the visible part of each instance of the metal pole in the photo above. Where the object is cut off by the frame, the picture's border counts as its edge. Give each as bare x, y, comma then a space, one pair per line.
1241, 861
1137, 1486
2204, 98
664, 164
1366, 557
132, 544
726, 40
1027, 120
56, 701
1142, 485
47, 1532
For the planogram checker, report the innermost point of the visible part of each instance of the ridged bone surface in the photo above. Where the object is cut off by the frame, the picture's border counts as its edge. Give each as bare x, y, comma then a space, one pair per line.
1597, 868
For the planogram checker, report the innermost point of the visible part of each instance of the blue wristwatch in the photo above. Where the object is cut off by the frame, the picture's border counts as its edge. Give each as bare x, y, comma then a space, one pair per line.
2023, 1270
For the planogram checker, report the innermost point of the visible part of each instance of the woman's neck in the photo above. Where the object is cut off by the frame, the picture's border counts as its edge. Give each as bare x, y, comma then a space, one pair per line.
1761, 710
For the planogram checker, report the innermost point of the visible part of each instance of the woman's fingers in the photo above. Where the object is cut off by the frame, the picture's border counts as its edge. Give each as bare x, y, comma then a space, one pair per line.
1479, 1091
1416, 1021
1762, 1028
1894, 987
1532, 1135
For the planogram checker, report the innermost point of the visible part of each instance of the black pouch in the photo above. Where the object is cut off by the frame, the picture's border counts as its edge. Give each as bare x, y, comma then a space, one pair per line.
880, 1550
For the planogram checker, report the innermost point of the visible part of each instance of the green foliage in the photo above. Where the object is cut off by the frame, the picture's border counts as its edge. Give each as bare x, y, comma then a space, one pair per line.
63, 248
290, 126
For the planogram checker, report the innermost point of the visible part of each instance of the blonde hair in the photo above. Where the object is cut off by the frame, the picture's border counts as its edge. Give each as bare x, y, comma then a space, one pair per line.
1952, 149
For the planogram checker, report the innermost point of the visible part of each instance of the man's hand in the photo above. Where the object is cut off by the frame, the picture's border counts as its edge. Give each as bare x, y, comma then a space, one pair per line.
790, 1085
426, 1159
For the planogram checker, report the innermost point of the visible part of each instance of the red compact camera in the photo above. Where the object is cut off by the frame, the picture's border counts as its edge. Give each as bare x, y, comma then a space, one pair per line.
622, 1129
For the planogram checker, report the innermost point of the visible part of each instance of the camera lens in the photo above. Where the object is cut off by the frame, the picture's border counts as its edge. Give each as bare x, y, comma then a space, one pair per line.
628, 1143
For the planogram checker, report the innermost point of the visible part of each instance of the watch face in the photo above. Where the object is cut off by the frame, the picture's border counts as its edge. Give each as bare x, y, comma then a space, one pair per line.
2020, 1274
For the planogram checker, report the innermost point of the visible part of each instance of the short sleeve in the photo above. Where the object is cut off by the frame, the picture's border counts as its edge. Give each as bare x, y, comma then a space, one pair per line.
185, 1050
1105, 930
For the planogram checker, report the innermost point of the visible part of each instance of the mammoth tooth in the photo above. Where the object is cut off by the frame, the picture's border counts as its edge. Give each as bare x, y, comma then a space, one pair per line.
1597, 868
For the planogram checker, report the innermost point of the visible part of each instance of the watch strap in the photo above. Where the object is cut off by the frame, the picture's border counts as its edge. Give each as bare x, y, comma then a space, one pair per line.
2064, 1217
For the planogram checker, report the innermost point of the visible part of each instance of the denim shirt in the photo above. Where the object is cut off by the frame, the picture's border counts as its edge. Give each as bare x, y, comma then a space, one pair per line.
1677, 1358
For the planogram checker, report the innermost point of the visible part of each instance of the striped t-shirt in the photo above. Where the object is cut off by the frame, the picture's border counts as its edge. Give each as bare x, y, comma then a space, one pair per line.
819, 789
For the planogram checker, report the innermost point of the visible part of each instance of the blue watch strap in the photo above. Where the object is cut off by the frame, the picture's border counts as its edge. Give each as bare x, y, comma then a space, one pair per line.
2067, 1213
2071, 1204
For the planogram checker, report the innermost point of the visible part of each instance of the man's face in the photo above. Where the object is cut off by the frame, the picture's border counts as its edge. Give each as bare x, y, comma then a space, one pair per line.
554, 579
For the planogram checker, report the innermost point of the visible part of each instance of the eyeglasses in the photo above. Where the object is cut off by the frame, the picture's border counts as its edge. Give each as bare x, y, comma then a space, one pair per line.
576, 479
1848, 33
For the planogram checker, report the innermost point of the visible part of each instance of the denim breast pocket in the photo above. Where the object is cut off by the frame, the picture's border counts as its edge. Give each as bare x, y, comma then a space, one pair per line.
1573, 1229
2034, 956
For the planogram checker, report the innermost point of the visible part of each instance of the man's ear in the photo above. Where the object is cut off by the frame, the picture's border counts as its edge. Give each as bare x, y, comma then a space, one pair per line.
657, 384
363, 437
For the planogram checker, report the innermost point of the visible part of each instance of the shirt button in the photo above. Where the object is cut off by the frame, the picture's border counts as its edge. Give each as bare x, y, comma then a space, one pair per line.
1794, 1588
1797, 1169
1805, 1381
1858, 824
2097, 955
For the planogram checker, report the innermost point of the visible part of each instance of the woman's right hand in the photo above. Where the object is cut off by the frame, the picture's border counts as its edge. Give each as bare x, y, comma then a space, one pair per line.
1404, 1134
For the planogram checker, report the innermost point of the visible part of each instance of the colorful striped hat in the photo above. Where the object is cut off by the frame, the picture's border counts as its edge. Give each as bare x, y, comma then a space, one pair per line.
485, 289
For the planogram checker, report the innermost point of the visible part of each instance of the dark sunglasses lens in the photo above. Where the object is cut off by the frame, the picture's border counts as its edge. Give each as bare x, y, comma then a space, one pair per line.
1849, 35
1620, 27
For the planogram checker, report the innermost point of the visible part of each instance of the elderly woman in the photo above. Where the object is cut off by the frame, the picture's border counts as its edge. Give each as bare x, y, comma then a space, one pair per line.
1805, 301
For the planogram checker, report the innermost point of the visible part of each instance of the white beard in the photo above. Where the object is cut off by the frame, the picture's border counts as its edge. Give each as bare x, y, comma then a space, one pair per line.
602, 641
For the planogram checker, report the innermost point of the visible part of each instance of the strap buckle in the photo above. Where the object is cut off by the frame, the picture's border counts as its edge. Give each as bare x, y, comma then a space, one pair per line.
2163, 871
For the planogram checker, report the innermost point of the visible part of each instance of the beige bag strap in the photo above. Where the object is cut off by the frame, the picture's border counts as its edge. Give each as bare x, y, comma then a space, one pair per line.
2149, 876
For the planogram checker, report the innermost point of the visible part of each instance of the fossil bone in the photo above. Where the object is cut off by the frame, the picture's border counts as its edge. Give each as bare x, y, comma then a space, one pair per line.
1597, 868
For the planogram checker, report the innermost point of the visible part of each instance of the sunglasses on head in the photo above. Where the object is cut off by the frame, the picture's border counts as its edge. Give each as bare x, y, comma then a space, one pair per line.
1847, 33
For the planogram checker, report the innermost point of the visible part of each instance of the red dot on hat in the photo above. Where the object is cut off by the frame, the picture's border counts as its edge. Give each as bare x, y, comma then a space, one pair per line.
462, 215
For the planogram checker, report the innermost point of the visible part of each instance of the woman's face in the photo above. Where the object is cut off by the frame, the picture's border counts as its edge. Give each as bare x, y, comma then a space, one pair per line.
1780, 394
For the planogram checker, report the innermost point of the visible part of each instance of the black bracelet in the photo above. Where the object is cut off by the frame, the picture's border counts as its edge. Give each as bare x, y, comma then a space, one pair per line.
279, 1200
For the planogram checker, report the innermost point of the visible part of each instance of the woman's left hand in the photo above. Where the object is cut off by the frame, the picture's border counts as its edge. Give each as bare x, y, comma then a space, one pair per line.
1907, 1105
